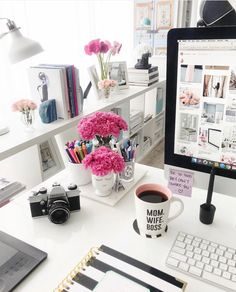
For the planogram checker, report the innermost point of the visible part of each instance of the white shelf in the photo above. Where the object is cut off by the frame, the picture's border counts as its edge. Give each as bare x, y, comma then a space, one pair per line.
17, 140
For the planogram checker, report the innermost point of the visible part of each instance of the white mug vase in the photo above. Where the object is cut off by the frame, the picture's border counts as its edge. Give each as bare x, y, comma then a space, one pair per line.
103, 184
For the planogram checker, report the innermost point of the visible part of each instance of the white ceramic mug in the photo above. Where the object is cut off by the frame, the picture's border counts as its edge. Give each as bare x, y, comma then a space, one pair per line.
152, 204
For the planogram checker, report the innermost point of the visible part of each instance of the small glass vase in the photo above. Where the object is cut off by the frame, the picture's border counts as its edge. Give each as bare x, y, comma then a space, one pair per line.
106, 92
27, 119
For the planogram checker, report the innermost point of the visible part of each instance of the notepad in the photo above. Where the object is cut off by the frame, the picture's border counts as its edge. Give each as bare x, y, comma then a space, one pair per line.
122, 284
106, 269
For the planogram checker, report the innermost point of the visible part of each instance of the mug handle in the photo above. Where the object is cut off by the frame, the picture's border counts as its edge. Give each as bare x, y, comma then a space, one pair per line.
173, 199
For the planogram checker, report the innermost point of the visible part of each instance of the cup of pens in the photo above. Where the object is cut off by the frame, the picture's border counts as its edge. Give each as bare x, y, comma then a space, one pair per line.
128, 151
76, 151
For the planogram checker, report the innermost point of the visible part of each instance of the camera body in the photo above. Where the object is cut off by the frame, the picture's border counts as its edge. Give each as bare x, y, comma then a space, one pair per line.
56, 204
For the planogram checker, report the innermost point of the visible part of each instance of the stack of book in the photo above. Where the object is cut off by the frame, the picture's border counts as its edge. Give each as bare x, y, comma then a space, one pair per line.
59, 82
8, 189
143, 77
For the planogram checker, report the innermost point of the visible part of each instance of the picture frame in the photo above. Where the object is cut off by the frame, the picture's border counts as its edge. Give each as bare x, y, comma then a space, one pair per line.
94, 78
164, 14
50, 158
118, 71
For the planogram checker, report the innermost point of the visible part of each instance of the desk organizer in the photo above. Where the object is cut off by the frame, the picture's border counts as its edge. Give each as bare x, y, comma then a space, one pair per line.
89, 192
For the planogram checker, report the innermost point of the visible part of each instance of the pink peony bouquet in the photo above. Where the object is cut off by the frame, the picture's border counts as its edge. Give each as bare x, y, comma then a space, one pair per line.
101, 125
103, 161
103, 50
106, 83
23, 105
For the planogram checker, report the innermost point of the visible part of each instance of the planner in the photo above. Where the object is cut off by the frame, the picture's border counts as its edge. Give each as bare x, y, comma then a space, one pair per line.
105, 269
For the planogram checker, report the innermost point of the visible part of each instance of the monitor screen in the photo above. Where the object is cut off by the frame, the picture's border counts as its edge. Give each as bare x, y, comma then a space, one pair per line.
201, 89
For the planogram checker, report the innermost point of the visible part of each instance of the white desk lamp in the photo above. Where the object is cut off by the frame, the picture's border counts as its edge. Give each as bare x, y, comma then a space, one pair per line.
20, 48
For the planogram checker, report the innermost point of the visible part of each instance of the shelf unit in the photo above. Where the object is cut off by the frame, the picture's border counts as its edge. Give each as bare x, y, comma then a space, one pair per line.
17, 140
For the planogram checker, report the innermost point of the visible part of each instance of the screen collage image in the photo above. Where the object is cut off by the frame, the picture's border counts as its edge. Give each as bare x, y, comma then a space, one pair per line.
205, 126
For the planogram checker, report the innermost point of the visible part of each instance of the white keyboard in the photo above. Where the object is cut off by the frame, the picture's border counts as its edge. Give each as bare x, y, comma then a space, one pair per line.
208, 261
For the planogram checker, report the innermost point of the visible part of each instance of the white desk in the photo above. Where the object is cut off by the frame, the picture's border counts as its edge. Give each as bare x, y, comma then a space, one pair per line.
97, 224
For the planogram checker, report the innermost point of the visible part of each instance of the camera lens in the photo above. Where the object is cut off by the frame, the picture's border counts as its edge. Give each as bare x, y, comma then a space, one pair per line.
59, 212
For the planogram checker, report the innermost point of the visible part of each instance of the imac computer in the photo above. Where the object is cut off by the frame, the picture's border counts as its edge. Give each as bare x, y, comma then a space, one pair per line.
200, 132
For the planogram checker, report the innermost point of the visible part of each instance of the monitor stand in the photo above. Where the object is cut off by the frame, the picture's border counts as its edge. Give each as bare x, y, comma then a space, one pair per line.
207, 210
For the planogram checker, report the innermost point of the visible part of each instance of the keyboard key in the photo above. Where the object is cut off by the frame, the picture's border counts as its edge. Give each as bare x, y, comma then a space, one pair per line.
188, 241
232, 270
205, 253
179, 257
195, 243
234, 278
223, 267
179, 250
197, 257
226, 275
222, 247
231, 250
203, 246
220, 252
199, 265
189, 247
180, 238
184, 266
205, 260
228, 255
189, 254
214, 256
231, 263
191, 262
172, 262
223, 260
214, 263
208, 268
194, 270
219, 280
217, 271
197, 250
180, 244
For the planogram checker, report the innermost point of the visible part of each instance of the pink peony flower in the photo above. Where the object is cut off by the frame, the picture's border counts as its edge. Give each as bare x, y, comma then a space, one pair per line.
93, 47
23, 105
116, 48
103, 124
103, 161
100, 48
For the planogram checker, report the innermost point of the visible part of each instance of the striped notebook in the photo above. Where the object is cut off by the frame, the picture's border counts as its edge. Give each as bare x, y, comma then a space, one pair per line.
107, 270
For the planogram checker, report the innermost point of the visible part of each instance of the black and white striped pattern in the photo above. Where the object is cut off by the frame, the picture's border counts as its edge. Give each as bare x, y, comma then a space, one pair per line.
111, 260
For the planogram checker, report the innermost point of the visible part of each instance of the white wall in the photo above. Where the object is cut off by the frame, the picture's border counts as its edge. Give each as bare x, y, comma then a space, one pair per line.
62, 27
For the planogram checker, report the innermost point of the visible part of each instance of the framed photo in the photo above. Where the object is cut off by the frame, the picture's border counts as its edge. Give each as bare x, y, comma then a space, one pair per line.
50, 158
93, 75
143, 15
164, 14
118, 71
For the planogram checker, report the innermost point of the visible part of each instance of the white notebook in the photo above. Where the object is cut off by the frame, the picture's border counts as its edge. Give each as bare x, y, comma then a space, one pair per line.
106, 269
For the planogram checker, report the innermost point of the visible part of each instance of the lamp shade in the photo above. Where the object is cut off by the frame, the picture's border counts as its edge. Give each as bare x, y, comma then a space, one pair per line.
21, 47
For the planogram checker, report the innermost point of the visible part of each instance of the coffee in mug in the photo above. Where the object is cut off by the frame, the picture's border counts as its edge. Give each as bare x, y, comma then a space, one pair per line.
152, 204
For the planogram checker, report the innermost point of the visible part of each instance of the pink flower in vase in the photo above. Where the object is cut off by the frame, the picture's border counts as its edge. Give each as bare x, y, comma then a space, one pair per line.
103, 161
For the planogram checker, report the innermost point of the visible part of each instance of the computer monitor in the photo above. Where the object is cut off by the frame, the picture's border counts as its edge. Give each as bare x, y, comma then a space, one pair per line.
200, 130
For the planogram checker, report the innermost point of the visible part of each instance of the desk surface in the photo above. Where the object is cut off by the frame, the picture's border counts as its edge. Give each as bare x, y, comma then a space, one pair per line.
97, 224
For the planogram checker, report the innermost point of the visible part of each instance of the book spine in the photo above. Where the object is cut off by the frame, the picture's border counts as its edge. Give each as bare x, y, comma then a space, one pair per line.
140, 71
135, 78
75, 91
66, 91
70, 90
79, 91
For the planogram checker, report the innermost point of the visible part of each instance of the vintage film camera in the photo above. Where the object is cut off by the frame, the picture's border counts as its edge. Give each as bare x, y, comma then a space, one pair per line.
57, 204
